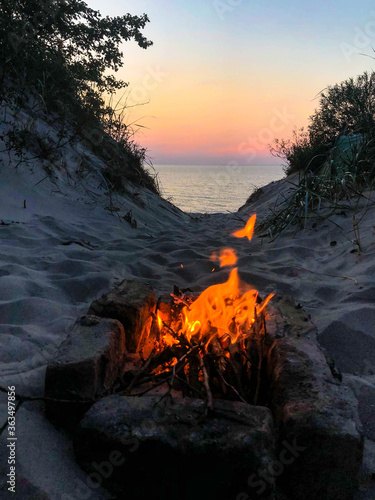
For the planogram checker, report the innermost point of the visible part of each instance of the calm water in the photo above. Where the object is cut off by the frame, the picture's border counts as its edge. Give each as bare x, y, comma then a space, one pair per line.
195, 188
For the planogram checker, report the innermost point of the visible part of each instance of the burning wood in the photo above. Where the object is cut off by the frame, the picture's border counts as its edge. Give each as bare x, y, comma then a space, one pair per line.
212, 345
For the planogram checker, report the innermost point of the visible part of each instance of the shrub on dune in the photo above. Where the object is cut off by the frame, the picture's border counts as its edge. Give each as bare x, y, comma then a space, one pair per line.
65, 55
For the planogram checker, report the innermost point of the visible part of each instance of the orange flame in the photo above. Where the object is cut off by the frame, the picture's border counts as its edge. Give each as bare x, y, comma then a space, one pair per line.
248, 230
168, 339
227, 257
160, 321
225, 309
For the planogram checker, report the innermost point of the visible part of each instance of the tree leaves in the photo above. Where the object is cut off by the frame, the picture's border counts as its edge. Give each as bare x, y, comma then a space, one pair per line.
70, 43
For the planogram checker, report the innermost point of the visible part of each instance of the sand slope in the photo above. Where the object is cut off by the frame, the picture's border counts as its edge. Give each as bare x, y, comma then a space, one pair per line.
66, 248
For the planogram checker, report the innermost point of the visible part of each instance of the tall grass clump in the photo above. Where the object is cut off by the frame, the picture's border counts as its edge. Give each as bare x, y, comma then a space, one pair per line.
334, 159
62, 56
344, 108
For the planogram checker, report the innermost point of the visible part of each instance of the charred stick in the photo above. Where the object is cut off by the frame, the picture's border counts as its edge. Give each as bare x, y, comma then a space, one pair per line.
261, 352
165, 356
190, 351
176, 368
182, 359
244, 353
216, 347
184, 381
167, 373
235, 364
259, 374
153, 378
180, 301
194, 373
142, 371
210, 401
159, 379
232, 387
181, 338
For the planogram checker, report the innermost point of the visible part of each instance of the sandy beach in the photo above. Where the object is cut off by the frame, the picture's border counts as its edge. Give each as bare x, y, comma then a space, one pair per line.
62, 248
211, 349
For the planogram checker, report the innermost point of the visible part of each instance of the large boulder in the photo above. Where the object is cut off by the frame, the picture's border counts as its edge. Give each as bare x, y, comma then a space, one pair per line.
318, 423
86, 367
152, 447
132, 303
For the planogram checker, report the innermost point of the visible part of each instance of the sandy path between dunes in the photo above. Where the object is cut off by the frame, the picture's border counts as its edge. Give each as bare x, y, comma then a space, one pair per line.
60, 255
53, 266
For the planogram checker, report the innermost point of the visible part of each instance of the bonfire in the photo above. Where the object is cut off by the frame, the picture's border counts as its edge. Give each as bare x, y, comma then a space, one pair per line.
209, 346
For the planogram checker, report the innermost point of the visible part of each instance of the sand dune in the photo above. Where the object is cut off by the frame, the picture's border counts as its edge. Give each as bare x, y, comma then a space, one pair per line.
65, 249
53, 266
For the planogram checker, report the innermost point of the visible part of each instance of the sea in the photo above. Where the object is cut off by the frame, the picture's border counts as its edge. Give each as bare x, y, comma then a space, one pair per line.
211, 188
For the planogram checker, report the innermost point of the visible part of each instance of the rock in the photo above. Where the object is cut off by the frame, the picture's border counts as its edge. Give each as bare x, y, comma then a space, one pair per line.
352, 350
364, 389
366, 479
168, 308
131, 303
319, 429
152, 447
87, 365
285, 318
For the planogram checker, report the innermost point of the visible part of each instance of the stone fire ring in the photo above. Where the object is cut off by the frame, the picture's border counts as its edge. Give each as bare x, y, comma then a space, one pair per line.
307, 443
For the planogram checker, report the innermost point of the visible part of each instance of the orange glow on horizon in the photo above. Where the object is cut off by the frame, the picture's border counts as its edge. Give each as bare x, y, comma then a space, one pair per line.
222, 120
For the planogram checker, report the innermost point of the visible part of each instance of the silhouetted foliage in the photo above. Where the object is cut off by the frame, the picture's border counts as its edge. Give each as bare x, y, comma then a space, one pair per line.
334, 158
63, 48
347, 107
65, 54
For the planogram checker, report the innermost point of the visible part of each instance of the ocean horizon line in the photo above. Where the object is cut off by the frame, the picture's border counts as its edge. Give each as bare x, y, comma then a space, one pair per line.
214, 165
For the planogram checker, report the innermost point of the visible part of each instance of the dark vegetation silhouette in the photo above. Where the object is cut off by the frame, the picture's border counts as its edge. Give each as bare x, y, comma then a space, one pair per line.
333, 159
347, 107
62, 56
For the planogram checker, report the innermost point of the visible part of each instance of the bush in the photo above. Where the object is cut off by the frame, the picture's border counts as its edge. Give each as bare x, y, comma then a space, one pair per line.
347, 107
334, 157
65, 54
298, 152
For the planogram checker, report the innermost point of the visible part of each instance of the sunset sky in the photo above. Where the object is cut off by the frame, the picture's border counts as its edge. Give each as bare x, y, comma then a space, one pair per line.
225, 78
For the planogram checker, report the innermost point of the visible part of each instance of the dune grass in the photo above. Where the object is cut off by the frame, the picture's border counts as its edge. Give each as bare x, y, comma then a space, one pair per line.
338, 183
331, 164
